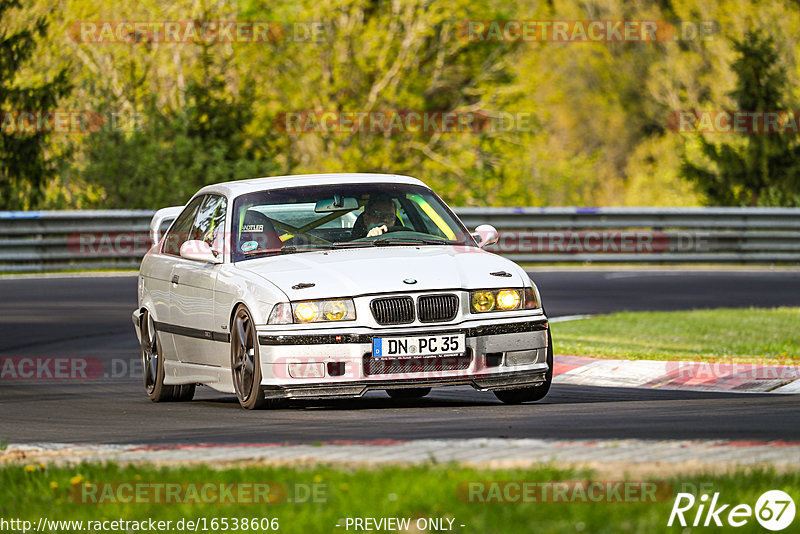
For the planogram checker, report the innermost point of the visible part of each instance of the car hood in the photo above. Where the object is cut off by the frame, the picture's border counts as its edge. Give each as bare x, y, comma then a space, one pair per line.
345, 272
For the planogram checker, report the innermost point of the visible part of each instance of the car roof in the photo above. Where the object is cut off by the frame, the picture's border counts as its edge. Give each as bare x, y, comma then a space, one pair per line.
236, 188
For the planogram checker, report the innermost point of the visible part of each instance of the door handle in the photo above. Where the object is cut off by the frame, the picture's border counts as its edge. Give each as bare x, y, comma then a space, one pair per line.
175, 279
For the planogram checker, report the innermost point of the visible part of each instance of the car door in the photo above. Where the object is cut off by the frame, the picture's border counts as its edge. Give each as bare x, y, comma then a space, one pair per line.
159, 273
192, 305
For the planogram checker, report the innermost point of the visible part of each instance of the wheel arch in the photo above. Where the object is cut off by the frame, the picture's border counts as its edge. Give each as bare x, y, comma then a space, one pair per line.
235, 306
148, 304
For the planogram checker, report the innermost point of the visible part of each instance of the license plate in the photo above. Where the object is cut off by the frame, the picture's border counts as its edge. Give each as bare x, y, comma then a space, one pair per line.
449, 344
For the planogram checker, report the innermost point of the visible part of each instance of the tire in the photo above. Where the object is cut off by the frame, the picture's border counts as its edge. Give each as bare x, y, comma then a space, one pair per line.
408, 393
533, 393
184, 392
246, 361
153, 363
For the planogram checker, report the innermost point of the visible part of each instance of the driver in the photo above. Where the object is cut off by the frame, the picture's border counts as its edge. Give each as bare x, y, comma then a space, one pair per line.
379, 215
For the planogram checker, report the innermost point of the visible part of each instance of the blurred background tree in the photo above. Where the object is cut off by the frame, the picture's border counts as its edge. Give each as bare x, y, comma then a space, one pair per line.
195, 113
756, 169
165, 155
25, 164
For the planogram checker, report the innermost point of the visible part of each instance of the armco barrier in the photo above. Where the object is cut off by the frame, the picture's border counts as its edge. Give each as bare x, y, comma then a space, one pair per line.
56, 240
643, 235
108, 239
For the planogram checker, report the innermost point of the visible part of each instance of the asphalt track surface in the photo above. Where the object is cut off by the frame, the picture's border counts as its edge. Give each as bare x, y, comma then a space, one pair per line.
90, 317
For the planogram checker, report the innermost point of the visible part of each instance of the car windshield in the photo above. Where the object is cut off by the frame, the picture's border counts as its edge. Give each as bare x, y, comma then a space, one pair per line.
280, 221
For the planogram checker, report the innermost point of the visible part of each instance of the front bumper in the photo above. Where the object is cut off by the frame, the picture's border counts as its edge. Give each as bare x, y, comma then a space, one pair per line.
500, 355
327, 390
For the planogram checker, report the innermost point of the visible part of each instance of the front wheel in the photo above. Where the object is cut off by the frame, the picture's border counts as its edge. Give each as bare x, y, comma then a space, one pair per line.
534, 393
245, 361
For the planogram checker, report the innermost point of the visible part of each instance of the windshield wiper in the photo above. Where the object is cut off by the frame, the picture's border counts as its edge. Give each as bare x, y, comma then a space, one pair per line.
351, 244
407, 241
264, 252
384, 241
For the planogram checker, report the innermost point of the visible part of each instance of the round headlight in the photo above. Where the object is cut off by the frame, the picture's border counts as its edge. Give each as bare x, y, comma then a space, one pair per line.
334, 310
483, 301
508, 299
305, 311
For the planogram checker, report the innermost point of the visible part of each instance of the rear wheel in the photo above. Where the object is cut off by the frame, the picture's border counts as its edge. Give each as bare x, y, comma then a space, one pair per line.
245, 361
408, 393
534, 393
153, 363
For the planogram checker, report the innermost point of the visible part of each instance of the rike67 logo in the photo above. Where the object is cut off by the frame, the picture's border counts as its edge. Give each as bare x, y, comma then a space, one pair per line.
774, 510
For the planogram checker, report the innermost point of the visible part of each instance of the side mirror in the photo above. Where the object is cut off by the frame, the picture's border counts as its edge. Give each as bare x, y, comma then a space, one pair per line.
199, 251
485, 235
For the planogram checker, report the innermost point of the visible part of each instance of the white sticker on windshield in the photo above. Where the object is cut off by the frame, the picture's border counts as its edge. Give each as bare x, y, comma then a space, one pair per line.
249, 245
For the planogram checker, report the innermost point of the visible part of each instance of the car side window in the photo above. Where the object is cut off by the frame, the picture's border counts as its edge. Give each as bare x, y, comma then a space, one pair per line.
179, 233
210, 219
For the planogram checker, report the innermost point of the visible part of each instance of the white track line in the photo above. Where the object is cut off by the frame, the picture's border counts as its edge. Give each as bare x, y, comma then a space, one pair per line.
565, 318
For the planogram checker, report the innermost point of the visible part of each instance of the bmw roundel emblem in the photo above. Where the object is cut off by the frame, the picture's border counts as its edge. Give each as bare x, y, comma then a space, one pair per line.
409, 281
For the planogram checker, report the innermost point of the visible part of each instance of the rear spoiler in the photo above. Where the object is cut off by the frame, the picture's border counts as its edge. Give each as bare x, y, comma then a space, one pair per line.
159, 218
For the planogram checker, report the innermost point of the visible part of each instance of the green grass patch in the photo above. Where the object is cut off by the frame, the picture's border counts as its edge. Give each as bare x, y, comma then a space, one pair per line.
749, 335
31, 492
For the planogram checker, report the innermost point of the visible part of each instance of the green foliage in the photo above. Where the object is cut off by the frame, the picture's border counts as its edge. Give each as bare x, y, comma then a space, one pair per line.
763, 168
318, 498
172, 153
164, 163
386, 56
24, 163
597, 111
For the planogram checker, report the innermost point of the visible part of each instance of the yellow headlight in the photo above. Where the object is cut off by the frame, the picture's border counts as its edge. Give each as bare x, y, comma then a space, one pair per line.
305, 311
483, 301
320, 311
334, 310
508, 299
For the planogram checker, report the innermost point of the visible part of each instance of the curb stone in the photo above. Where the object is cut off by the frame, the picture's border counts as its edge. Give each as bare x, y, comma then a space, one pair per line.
699, 376
480, 452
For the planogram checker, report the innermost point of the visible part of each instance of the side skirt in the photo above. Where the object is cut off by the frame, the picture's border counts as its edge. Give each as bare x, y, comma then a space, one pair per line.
218, 378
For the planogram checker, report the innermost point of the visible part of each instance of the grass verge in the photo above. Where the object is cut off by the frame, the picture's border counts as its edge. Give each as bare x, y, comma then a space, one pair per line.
754, 335
323, 497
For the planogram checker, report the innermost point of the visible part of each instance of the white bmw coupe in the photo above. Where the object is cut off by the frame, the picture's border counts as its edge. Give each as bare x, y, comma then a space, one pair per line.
329, 286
